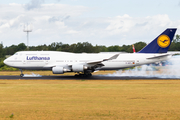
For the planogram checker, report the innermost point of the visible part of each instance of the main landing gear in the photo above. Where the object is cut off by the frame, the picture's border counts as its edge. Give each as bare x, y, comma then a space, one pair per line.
85, 74
21, 75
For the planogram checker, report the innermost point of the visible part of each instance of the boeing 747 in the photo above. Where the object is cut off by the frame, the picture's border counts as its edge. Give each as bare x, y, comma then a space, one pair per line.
86, 63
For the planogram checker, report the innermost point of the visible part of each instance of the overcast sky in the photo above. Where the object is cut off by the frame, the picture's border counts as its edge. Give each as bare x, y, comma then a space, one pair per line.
101, 22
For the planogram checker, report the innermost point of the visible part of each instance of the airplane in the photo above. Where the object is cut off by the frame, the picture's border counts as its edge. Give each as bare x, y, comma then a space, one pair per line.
84, 64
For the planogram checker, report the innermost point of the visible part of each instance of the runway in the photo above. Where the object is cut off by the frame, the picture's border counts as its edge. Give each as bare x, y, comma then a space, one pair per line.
95, 77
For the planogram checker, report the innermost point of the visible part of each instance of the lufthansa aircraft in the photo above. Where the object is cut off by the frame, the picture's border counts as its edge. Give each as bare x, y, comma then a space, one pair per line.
84, 63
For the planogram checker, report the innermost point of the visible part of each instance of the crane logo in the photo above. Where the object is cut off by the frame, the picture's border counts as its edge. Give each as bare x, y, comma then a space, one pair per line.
163, 41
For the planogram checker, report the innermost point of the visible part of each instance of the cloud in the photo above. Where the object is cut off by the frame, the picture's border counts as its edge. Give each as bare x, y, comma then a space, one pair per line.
125, 23
33, 4
120, 24
67, 24
59, 18
48, 23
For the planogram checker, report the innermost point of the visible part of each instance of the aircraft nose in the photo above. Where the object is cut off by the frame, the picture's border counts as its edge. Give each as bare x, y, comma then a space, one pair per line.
5, 61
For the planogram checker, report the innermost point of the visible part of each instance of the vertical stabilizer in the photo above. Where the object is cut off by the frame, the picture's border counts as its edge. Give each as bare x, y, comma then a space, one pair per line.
161, 43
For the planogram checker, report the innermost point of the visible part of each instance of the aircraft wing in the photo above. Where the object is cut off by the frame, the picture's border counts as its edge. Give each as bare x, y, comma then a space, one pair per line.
92, 64
102, 60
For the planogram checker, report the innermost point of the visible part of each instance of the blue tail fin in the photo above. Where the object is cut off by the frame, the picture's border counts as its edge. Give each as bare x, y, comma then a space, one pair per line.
161, 43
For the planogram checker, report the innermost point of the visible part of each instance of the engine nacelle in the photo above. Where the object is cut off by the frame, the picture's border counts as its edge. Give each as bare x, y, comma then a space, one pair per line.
78, 68
58, 70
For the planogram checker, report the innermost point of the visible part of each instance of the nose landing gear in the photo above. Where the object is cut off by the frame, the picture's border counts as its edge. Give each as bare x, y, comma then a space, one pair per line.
21, 75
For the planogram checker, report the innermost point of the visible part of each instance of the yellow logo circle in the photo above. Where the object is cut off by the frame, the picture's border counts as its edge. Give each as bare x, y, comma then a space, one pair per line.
163, 41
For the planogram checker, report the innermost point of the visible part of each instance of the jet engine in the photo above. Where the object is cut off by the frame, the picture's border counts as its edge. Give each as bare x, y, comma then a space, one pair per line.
58, 70
79, 68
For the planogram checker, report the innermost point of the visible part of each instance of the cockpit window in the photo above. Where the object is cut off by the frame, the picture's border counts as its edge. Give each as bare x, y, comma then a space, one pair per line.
16, 54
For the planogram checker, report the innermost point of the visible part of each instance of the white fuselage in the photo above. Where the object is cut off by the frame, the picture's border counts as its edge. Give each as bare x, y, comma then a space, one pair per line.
46, 60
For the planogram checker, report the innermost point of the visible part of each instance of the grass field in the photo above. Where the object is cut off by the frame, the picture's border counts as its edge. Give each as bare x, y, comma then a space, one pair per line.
90, 99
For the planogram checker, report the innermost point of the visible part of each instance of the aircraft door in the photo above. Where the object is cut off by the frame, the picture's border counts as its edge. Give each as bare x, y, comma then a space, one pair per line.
46, 62
137, 62
24, 60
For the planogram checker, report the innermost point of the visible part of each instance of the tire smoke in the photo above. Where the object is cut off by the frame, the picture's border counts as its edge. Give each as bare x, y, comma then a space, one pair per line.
166, 69
32, 75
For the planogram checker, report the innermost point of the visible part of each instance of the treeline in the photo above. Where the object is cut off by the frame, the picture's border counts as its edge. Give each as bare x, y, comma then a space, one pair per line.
75, 48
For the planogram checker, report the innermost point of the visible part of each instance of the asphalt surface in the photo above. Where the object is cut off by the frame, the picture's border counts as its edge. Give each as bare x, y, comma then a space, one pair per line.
95, 77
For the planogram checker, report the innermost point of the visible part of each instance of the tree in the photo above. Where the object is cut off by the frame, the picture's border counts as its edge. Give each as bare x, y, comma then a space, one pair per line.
102, 48
115, 48
175, 45
21, 47
176, 39
2, 55
126, 48
65, 48
83, 47
139, 46
55, 45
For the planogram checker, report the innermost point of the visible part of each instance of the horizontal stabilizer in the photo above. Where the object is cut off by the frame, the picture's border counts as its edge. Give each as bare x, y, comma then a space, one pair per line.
159, 56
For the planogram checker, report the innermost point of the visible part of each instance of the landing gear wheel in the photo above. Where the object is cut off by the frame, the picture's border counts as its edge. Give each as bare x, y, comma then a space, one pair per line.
21, 75
83, 75
89, 74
